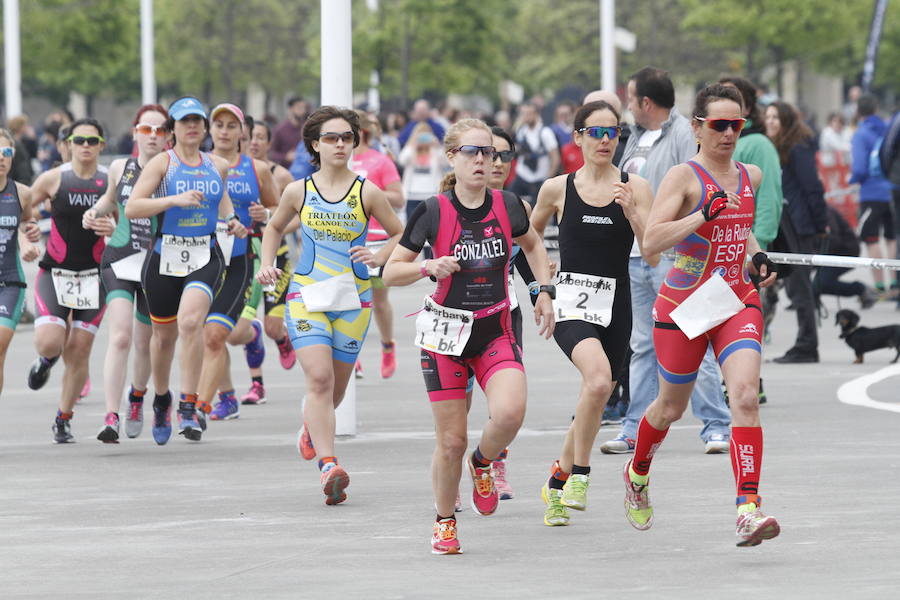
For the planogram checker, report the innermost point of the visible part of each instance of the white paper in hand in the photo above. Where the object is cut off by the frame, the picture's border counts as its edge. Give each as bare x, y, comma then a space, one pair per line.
709, 305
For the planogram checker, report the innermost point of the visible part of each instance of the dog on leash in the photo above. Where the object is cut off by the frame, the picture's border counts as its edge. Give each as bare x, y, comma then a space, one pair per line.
866, 339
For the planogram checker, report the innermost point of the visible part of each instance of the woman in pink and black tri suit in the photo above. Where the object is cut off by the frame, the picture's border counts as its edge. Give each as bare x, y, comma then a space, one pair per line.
465, 326
704, 208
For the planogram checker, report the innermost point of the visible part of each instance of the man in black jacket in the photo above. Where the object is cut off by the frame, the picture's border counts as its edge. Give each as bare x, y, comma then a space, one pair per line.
842, 241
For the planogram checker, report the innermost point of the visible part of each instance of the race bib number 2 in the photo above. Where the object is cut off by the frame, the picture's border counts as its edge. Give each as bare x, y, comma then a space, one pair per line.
443, 330
77, 289
181, 256
581, 297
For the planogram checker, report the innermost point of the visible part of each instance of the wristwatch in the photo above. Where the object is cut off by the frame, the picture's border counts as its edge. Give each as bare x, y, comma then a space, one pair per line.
550, 289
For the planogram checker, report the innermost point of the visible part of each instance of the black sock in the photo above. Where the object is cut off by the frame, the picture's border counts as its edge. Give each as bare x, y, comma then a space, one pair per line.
258, 380
478, 459
578, 470
281, 342
162, 400
555, 484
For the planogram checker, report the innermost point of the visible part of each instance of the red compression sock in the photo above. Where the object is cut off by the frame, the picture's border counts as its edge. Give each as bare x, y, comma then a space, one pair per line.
746, 458
648, 440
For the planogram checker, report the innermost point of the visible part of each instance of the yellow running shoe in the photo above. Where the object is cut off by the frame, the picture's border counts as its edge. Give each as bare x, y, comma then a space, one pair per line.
556, 514
574, 494
637, 500
752, 525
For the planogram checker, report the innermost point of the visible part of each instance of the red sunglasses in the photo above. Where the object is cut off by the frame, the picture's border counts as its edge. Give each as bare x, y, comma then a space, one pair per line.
721, 125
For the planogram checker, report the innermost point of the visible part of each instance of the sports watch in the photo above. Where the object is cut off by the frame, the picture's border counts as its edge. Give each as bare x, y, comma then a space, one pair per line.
550, 289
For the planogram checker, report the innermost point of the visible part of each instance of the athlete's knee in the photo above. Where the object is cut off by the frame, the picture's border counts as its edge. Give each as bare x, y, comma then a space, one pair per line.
452, 446
320, 381
508, 418
275, 329
120, 341
669, 409
743, 397
164, 336
78, 349
214, 337
596, 387
190, 323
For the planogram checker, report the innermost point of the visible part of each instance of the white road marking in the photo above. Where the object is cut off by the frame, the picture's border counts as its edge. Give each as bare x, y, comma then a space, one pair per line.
855, 391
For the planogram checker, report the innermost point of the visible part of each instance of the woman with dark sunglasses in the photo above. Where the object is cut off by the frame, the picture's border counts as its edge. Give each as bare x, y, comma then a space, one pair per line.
68, 282
183, 270
329, 301
600, 213
465, 326
705, 209
120, 273
20, 233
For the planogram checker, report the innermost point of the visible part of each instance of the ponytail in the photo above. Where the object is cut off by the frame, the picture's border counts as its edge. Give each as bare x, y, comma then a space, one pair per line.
448, 182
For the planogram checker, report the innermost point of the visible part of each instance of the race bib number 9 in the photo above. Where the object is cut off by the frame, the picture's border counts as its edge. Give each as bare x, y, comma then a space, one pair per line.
582, 297
77, 289
443, 330
181, 256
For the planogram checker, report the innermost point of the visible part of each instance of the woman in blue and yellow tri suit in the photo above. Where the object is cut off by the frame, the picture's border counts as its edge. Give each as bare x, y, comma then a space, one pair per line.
329, 301
182, 273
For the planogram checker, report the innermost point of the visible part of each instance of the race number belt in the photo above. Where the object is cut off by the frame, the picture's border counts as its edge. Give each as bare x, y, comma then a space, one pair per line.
581, 297
181, 256
77, 289
444, 330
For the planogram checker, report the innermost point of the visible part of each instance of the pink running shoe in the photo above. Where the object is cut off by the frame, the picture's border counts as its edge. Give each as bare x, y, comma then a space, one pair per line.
503, 488
443, 539
286, 353
334, 481
484, 493
86, 389
388, 359
304, 444
256, 395
753, 528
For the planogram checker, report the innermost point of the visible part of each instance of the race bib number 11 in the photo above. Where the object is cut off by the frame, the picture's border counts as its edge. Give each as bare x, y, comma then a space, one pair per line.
443, 330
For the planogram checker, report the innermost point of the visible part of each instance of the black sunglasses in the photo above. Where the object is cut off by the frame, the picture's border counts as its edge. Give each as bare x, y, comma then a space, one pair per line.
90, 140
471, 151
505, 156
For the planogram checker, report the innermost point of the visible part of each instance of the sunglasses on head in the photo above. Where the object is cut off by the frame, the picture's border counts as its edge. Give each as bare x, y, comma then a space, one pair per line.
470, 151
505, 156
159, 130
90, 140
721, 125
598, 131
332, 137
7, 152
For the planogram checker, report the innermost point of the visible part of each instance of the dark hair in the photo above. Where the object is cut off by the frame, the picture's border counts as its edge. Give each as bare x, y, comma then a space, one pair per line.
655, 84
866, 105
149, 108
590, 108
793, 130
838, 116
713, 92
502, 133
313, 127
87, 121
263, 124
748, 93
293, 100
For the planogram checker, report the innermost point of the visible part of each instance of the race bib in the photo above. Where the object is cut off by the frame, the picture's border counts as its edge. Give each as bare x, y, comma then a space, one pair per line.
181, 256
375, 247
129, 268
443, 330
709, 305
77, 289
581, 297
225, 241
511, 287
336, 293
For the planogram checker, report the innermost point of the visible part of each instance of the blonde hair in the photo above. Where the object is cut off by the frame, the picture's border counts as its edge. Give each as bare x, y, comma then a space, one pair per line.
17, 123
451, 142
5, 133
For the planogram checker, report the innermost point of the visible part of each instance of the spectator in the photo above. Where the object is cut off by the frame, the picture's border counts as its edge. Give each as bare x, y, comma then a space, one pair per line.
848, 111
538, 153
562, 122
47, 153
836, 136
302, 166
889, 156
805, 208
503, 121
21, 170
421, 113
842, 241
289, 133
424, 165
876, 219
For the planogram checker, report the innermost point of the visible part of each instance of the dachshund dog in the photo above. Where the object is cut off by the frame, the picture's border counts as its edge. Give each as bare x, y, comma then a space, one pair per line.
865, 339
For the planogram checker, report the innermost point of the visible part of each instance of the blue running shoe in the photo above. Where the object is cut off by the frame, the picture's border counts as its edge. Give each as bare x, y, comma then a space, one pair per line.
187, 421
162, 418
226, 408
255, 351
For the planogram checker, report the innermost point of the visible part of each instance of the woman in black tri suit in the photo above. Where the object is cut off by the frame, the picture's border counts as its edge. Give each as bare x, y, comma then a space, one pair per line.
600, 213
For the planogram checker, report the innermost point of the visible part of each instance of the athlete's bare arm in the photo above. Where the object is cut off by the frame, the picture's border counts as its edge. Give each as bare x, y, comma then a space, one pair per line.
226, 207
268, 188
288, 208
636, 198
107, 204
283, 178
376, 204
29, 232
669, 221
533, 246
549, 202
44, 188
142, 204
394, 193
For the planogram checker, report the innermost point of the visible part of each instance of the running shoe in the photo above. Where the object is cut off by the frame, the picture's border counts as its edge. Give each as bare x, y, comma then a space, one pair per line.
357, 370
62, 431
718, 443
484, 493
227, 408
575, 492
286, 353
134, 421
388, 359
162, 422
618, 445
110, 432
556, 514
503, 487
443, 539
304, 444
334, 481
86, 389
637, 502
613, 414
40, 372
187, 422
458, 507
255, 351
753, 527
203, 409
256, 394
